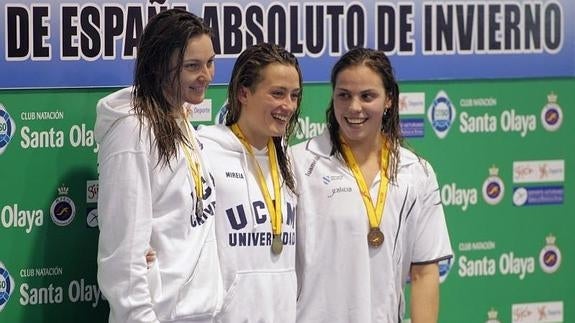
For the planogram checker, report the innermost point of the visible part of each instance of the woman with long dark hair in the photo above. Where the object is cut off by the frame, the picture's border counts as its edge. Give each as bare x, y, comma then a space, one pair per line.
369, 210
155, 188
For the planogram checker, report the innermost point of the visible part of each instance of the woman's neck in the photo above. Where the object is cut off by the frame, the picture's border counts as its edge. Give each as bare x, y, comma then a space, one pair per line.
252, 136
365, 150
367, 155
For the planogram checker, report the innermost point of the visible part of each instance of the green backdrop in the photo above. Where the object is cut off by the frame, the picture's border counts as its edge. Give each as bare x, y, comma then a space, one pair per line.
509, 231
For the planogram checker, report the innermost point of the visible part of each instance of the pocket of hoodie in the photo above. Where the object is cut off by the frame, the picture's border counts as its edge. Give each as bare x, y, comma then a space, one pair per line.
199, 296
251, 293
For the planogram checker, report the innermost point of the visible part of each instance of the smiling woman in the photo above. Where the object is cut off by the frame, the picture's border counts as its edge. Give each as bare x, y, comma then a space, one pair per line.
155, 187
369, 210
255, 217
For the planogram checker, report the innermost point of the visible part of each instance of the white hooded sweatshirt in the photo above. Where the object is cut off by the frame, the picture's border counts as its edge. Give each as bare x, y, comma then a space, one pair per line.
341, 279
260, 286
143, 204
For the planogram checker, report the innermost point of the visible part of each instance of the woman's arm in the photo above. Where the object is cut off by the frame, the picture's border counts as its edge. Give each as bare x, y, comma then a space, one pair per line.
424, 293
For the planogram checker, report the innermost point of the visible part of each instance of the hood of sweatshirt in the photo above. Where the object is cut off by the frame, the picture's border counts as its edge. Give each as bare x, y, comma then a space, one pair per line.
110, 109
220, 136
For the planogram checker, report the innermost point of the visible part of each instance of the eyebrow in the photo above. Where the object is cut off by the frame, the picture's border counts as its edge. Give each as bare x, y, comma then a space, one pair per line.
200, 60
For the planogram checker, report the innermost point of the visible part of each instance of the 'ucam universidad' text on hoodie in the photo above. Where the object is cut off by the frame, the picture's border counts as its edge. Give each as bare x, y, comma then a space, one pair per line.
260, 286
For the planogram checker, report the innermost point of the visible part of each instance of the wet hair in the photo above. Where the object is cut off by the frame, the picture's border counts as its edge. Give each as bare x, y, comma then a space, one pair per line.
379, 63
247, 72
166, 34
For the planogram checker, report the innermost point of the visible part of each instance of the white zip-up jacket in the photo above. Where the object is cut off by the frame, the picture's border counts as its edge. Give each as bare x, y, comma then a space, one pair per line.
260, 286
142, 204
341, 279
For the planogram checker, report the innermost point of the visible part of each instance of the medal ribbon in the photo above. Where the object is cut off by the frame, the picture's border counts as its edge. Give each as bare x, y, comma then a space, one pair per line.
374, 214
274, 208
194, 166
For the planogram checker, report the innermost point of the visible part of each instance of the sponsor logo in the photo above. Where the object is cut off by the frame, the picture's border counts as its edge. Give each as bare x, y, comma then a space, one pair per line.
546, 312
330, 178
492, 316
411, 103
538, 171
338, 190
551, 114
412, 128
493, 187
92, 218
92, 187
441, 114
520, 196
539, 195
6, 286
92, 191
7, 128
550, 256
63, 208
202, 111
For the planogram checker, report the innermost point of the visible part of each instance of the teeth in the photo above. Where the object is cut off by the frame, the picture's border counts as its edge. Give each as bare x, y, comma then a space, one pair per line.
200, 89
280, 117
355, 120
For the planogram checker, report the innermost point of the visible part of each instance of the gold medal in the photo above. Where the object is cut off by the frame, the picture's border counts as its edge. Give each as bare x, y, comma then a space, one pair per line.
277, 244
374, 211
375, 237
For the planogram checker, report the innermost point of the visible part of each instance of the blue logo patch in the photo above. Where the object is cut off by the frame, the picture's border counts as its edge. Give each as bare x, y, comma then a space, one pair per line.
63, 209
7, 128
412, 127
441, 114
551, 114
6, 286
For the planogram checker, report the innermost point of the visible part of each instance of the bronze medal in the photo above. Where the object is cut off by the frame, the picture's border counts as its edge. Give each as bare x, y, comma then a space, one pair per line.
375, 237
277, 244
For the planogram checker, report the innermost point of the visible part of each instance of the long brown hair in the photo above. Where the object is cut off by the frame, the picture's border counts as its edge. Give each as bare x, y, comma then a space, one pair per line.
166, 34
378, 62
247, 73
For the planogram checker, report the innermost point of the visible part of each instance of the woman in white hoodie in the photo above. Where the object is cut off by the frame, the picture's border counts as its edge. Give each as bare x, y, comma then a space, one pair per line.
255, 215
155, 187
